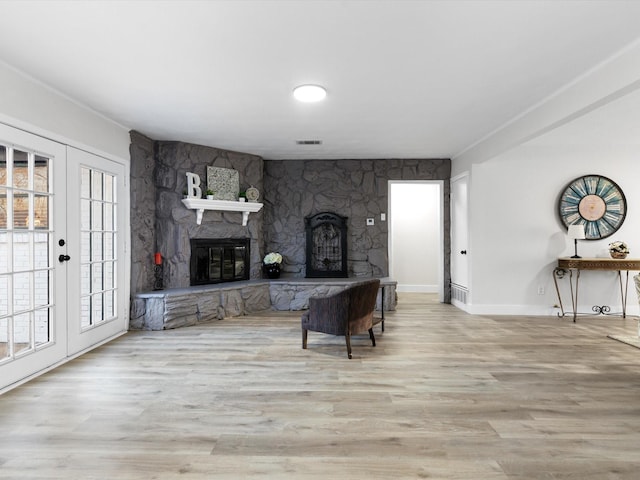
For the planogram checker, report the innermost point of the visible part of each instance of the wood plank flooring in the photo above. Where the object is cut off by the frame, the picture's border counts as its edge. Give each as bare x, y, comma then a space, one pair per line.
443, 395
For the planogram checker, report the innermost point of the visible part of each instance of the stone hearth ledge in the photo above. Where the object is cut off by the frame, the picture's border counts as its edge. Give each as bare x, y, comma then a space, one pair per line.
183, 307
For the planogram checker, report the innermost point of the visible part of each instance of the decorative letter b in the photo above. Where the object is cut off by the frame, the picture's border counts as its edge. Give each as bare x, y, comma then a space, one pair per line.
193, 186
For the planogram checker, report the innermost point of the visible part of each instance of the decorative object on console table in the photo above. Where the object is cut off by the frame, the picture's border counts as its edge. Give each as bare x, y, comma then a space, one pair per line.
210, 194
595, 201
618, 250
576, 232
271, 264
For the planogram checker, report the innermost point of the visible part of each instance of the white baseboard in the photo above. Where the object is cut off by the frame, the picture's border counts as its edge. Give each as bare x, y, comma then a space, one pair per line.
417, 288
461, 305
534, 310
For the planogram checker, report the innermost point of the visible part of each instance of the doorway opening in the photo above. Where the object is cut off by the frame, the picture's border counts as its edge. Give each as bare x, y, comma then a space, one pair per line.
416, 238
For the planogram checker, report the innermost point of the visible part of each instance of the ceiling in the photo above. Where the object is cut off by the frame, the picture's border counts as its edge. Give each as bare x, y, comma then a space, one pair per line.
405, 79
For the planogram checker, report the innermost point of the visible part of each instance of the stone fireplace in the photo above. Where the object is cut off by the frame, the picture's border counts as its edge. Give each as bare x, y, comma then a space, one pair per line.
219, 260
326, 245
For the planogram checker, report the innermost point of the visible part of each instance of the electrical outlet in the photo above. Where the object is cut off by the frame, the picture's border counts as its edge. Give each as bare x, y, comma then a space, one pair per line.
370, 221
540, 289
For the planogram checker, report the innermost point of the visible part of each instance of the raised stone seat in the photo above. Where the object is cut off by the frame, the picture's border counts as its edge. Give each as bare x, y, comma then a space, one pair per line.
181, 307
294, 293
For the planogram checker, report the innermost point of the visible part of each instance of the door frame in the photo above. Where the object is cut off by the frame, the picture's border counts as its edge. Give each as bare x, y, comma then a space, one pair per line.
440, 224
31, 137
42, 357
80, 339
461, 285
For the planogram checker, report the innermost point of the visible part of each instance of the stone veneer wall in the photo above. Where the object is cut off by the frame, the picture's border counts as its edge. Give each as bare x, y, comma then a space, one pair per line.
356, 189
176, 225
183, 307
143, 212
291, 190
161, 223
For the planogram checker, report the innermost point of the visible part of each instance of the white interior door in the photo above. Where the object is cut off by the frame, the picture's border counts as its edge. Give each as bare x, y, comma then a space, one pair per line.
459, 234
33, 328
96, 249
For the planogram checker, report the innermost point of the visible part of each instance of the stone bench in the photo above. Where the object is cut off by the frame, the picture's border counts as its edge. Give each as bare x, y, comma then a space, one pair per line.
182, 307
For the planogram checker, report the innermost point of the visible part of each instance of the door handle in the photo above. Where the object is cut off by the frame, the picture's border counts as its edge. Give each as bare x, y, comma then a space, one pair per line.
64, 258
463, 252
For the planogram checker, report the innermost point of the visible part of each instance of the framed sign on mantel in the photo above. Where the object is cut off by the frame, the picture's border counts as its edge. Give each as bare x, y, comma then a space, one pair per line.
594, 201
224, 183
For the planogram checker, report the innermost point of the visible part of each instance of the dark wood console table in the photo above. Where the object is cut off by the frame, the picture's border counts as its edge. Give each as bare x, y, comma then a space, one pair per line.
576, 265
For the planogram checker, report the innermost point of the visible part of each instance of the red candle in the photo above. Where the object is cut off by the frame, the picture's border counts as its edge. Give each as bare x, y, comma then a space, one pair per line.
158, 258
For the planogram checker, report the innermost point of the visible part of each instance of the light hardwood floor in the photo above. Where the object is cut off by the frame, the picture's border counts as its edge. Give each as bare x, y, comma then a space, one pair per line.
444, 395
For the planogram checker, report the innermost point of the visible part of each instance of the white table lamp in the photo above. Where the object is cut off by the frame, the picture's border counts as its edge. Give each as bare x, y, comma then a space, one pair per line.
576, 232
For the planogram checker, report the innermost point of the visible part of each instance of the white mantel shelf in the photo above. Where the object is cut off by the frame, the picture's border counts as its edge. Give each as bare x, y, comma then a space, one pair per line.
200, 205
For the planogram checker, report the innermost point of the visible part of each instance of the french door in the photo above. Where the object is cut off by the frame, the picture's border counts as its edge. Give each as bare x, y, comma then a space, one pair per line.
61, 258
95, 277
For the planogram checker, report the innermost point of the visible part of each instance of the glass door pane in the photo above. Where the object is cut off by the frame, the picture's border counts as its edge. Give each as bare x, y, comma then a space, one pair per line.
33, 287
26, 255
239, 267
215, 263
97, 237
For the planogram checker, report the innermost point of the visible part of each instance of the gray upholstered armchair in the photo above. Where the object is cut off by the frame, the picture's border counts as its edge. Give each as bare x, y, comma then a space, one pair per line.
344, 313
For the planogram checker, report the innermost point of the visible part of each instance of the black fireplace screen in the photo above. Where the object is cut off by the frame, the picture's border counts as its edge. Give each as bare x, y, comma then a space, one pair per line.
219, 260
326, 245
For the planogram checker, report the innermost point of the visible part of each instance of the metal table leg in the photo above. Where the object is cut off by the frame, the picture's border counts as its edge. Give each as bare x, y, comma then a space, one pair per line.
382, 306
560, 273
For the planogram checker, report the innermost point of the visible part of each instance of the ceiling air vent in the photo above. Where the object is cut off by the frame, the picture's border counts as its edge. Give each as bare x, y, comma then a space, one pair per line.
309, 142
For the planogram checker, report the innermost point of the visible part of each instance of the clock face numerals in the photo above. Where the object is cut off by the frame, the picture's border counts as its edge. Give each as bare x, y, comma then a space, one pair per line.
592, 208
596, 202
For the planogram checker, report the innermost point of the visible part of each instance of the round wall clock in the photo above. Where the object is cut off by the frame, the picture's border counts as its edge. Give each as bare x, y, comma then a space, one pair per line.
596, 202
252, 194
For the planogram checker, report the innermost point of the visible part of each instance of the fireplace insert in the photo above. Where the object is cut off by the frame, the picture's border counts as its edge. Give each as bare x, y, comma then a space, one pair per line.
217, 260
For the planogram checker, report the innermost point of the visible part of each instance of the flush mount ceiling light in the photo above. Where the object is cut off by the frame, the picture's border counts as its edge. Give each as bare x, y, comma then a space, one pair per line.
309, 93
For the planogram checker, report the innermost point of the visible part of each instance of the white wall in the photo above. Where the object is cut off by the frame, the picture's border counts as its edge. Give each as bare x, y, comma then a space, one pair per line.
414, 228
517, 234
615, 78
516, 174
31, 106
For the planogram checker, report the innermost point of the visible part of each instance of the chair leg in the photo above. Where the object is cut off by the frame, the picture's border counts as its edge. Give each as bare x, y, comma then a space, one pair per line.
373, 339
304, 338
348, 338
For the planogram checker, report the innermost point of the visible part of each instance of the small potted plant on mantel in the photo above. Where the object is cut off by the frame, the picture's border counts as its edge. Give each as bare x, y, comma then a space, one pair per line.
242, 196
210, 194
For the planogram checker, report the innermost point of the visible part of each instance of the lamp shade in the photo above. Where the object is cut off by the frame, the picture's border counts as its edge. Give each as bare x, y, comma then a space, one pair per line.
576, 232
